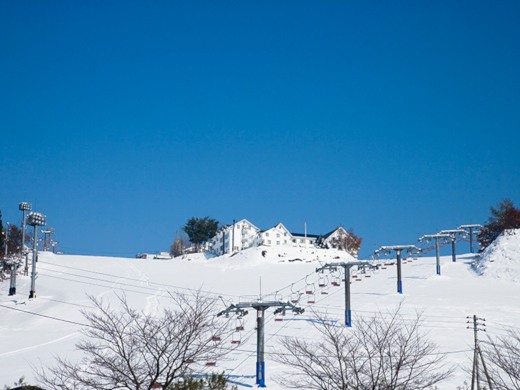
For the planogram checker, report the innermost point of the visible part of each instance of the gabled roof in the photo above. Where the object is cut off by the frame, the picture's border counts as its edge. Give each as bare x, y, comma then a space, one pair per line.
303, 235
330, 233
278, 225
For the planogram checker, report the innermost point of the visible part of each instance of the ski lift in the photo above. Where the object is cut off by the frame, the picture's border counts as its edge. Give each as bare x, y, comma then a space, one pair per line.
188, 361
278, 317
358, 280
322, 282
239, 324
309, 289
325, 290
295, 297
211, 364
215, 338
311, 298
336, 282
236, 338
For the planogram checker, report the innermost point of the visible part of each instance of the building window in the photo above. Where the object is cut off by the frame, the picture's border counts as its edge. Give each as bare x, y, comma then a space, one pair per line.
277, 234
302, 240
285, 242
294, 240
269, 242
267, 234
277, 242
285, 234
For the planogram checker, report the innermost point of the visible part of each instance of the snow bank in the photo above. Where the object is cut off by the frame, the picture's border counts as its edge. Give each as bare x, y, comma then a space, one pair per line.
501, 260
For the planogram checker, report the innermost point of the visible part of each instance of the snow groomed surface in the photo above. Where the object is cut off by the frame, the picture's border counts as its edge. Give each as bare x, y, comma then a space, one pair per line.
33, 331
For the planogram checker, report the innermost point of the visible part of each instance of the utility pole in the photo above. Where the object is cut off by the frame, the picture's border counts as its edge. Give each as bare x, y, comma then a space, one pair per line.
24, 206
260, 306
398, 249
470, 228
233, 239
35, 220
436, 237
453, 234
477, 352
362, 265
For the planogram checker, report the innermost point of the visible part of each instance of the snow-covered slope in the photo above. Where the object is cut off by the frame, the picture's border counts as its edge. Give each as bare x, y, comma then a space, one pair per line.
28, 338
501, 260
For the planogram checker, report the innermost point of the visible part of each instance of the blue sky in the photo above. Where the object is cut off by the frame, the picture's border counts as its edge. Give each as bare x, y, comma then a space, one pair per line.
121, 120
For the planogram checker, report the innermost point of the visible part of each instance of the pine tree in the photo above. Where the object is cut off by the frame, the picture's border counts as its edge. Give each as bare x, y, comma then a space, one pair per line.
200, 230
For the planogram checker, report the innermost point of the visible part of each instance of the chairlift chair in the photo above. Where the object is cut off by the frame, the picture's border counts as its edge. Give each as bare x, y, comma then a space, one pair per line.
311, 298
321, 282
295, 297
278, 317
236, 338
215, 338
239, 324
211, 364
309, 289
325, 290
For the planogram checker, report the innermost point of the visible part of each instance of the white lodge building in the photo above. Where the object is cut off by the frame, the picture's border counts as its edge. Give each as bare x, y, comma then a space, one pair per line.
243, 235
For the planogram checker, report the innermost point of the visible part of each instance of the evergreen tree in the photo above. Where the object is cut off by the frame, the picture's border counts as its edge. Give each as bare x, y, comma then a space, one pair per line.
200, 230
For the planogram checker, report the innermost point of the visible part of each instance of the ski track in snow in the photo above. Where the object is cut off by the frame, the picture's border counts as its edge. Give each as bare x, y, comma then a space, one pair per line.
70, 336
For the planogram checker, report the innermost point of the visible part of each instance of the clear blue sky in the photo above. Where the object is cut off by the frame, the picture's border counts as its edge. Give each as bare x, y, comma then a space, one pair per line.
120, 120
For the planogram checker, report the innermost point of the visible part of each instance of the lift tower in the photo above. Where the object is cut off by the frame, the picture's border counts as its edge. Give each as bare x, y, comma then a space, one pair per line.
471, 232
398, 249
260, 306
454, 234
436, 237
362, 265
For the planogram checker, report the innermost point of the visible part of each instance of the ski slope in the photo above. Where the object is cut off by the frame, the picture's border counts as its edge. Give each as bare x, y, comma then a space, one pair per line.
33, 331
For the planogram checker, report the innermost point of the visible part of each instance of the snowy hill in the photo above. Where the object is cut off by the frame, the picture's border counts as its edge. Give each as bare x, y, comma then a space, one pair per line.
501, 260
33, 331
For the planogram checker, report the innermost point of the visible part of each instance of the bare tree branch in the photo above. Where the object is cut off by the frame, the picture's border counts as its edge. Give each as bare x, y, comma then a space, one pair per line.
378, 353
127, 349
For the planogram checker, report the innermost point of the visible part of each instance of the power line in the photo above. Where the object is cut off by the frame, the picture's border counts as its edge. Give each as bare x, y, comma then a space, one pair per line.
135, 280
45, 316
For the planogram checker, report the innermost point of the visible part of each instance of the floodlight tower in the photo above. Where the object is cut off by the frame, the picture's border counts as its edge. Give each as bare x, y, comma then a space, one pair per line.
35, 220
454, 234
436, 237
24, 206
362, 265
47, 241
398, 249
6, 233
260, 306
470, 228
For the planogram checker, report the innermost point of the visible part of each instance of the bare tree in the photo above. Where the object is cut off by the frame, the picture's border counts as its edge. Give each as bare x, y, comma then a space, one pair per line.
378, 353
347, 241
503, 355
180, 243
127, 349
